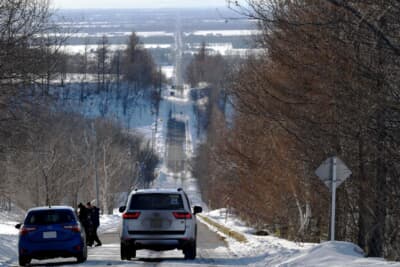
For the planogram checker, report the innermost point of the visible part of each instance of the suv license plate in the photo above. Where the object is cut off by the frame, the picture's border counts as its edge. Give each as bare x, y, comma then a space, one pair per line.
52, 234
156, 223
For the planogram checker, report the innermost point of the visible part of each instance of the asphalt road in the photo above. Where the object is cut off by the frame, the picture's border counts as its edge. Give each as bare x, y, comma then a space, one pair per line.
175, 156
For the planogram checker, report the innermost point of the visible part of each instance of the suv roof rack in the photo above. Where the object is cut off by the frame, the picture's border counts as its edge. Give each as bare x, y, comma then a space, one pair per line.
180, 189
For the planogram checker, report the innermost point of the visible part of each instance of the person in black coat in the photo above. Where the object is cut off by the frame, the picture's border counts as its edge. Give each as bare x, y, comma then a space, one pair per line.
95, 218
86, 221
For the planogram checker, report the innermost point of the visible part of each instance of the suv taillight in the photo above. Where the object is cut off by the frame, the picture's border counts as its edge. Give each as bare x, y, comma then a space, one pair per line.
182, 215
25, 230
73, 228
131, 215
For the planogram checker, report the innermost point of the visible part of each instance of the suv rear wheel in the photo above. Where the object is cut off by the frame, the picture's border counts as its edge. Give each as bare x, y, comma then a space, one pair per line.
127, 252
124, 251
190, 251
132, 252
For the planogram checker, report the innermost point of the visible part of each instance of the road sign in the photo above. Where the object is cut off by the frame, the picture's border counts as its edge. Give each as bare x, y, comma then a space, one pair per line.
324, 172
333, 172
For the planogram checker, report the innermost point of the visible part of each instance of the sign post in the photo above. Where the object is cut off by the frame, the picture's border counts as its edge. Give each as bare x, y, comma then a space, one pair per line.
333, 204
333, 172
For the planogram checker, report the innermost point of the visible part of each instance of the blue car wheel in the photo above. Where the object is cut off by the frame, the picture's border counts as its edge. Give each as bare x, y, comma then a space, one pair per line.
23, 260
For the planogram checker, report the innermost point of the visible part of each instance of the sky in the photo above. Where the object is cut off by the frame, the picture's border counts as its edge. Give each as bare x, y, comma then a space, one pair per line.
121, 4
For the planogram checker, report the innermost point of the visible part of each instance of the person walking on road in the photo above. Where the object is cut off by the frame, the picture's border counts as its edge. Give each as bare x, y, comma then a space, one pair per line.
95, 218
86, 221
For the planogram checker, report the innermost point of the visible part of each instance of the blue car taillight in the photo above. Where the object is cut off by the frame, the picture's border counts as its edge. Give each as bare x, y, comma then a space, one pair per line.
74, 228
25, 230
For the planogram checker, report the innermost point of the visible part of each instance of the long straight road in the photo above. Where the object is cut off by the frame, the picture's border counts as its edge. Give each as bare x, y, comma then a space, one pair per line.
178, 75
175, 156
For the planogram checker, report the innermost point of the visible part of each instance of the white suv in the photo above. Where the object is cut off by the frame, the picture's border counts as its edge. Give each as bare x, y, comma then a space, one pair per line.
158, 219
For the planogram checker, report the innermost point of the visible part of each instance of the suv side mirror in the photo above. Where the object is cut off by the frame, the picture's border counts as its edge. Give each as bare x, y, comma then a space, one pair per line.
197, 209
122, 209
18, 226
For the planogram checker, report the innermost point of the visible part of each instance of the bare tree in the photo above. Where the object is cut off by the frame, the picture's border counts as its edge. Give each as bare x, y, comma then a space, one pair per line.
102, 54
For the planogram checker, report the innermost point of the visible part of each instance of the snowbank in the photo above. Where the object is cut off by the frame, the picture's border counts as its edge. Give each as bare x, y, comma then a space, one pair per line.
8, 249
273, 251
109, 223
334, 253
9, 236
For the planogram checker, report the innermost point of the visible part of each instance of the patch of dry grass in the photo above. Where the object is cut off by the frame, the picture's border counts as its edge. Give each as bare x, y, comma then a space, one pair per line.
225, 230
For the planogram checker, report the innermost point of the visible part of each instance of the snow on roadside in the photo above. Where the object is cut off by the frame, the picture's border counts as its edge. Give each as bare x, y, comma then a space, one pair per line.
109, 223
274, 251
8, 248
335, 253
9, 236
224, 32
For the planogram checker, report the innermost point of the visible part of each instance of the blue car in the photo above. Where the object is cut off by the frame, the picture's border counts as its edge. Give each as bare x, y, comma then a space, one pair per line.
51, 232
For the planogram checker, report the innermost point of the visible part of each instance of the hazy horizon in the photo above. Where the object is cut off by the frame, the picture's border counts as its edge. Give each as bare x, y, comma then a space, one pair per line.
136, 4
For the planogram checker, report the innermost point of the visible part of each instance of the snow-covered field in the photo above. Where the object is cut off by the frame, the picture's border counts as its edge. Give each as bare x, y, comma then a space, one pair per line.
225, 32
224, 49
110, 34
80, 49
83, 34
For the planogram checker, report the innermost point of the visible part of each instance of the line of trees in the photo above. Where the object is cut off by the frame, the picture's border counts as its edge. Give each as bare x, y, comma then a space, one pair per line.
327, 84
134, 64
127, 73
59, 159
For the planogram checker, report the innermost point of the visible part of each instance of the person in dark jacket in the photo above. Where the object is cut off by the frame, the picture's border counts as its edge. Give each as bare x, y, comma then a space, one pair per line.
86, 221
95, 217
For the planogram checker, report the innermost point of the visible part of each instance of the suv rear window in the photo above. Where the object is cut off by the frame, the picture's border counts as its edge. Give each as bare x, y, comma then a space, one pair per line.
50, 217
156, 202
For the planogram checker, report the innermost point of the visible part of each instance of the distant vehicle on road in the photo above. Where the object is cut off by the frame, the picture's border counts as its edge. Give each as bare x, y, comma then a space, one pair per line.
51, 232
158, 219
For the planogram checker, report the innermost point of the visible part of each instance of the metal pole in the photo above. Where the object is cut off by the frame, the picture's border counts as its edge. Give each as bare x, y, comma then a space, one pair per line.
95, 167
333, 205
97, 184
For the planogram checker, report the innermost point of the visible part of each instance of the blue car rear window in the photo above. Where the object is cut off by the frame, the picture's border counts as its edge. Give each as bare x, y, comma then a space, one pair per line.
50, 217
156, 202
